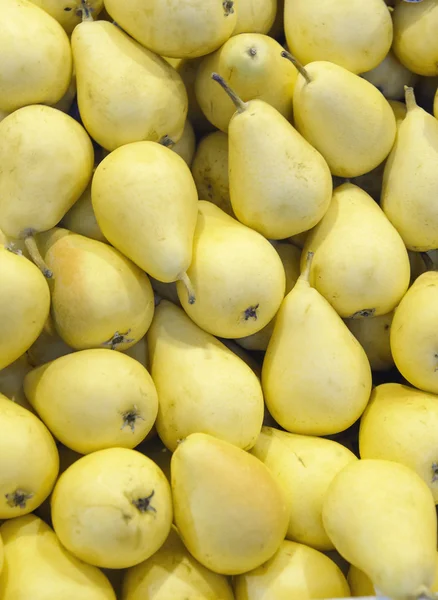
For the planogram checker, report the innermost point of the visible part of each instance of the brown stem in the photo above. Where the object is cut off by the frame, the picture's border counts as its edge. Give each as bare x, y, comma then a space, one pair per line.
428, 262
238, 103
411, 103
35, 255
184, 278
306, 273
297, 64
86, 11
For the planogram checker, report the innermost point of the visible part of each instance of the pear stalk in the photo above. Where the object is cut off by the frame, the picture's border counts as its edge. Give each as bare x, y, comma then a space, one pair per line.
305, 275
411, 103
238, 103
184, 278
297, 65
86, 11
428, 262
35, 255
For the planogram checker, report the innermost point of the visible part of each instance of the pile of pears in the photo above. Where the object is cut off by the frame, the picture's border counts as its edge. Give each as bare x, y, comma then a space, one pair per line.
218, 299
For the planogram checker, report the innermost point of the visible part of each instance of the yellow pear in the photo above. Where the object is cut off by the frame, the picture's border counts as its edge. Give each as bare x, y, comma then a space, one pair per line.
81, 218
176, 28
66, 102
373, 335
400, 111
381, 517
202, 386
413, 342
255, 16
252, 65
210, 170
316, 377
237, 275
24, 305
48, 346
99, 297
156, 233
229, 510
112, 508
400, 424
279, 184
29, 460
415, 42
126, 93
185, 147
94, 399
11, 381
390, 77
343, 116
36, 63
71, 12
361, 265
411, 179
304, 466
295, 571
172, 572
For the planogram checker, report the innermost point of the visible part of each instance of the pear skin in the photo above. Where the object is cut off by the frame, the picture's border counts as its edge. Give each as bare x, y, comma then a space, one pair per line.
316, 377
391, 77
255, 16
361, 265
81, 218
373, 334
139, 96
186, 145
73, 14
225, 525
11, 381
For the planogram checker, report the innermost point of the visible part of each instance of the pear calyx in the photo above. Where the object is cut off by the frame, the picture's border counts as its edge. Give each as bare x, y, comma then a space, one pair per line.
130, 418
238, 103
297, 65
251, 312
228, 7
18, 498
117, 339
365, 312
144, 504
184, 278
411, 103
167, 141
35, 255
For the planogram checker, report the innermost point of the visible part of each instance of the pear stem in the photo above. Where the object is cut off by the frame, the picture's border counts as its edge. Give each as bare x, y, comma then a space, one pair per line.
428, 262
297, 65
306, 273
35, 255
411, 103
184, 278
238, 103
86, 11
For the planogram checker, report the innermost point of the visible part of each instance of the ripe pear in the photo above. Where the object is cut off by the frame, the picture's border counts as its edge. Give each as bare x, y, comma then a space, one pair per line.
413, 339
11, 381
238, 276
229, 510
36, 65
210, 170
99, 297
176, 28
186, 145
316, 377
156, 233
24, 305
304, 466
381, 517
252, 65
400, 111
202, 386
344, 117
400, 424
172, 572
71, 12
279, 184
138, 96
112, 508
373, 335
411, 179
391, 77
81, 218
94, 399
37, 566
29, 460
361, 265
354, 34
295, 571
255, 16
415, 42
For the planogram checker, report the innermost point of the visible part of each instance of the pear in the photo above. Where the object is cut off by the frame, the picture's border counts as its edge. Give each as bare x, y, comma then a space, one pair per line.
400, 111
373, 335
316, 377
360, 584
99, 297
37, 566
81, 218
11, 381
295, 571
343, 116
112, 508
238, 276
173, 573
70, 12
400, 424
36, 63
391, 77
381, 517
413, 339
361, 265
210, 170
80, 399
354, 34
29, 460
156, 233
138, 96
415, 42
202, 386
304, 466
279, 184
255, 16
252, 65
65, 105
48, 346
24, 305
411, 179
229, 510
185, 147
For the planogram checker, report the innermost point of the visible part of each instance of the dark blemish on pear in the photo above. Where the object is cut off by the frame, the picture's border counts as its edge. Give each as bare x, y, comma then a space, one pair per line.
251, 313
18, 498
434, 472
228, 7
68, 9
144, 504
364, 313
130, 417
117, 339
167, 141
